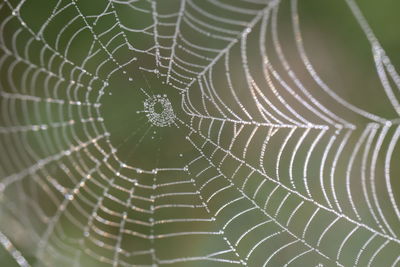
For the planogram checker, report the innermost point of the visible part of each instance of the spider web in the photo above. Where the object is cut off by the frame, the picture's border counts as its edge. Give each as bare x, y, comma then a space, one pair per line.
260, 161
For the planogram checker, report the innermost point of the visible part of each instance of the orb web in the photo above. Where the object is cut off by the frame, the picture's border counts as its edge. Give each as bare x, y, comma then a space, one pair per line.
262, 153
